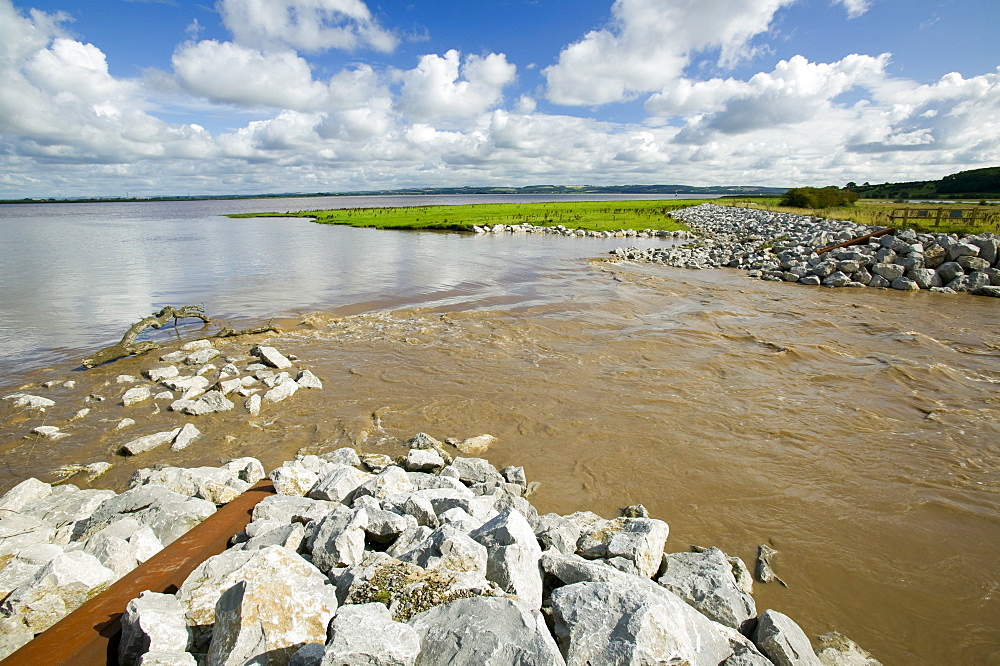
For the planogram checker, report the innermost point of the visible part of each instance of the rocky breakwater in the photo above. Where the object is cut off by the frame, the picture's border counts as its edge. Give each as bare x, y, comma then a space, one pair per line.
783, 247
561, 230
425, 559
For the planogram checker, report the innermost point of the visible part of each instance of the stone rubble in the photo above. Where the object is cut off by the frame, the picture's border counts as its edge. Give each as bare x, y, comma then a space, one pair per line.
783, 247
560, 230
350, 564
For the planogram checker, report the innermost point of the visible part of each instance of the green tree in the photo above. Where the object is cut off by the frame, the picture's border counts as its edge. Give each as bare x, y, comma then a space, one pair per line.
818, 197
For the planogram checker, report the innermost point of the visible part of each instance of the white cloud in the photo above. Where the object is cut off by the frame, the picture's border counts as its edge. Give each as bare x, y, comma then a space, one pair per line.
305, 25
439, 88
648, 45
855, 8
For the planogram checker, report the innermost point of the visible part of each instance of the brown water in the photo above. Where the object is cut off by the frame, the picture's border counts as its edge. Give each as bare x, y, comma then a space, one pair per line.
855, 431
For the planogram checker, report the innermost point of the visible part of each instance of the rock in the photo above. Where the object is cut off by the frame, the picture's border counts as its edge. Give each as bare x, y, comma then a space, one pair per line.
763, 569
49, 432
904, 284
169, 514
310, 654
136, 395
152, 622
148, 442
365, 634
389, 481
187, 383
448, 548
307, 379
252, 405
835, 649
513, 556
161, 373
949, 271
554, 531
27, 401
339, 484
423, 460
293, 480
271, 357
202, 356
288, 536
474, 470
922, 277
782, 641
57, 589
174, 357
209, 403
962, 250
247, 469
707, 582
384, 527
282, 391
205, 585
123, 545
484, 630
196, 345
65, 507
342, 456
616, 623
376, 462
515, 475
267, 618
987, 291
161, 658
28, 491
23, 564
340, 539
13, 634
638, 540
889, 271
972, 263
218, 485
185, 436
475, 446
125, 423
19, 531
879, 282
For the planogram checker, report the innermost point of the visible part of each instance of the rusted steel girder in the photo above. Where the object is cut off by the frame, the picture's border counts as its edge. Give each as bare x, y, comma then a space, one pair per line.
857, 241
89, 635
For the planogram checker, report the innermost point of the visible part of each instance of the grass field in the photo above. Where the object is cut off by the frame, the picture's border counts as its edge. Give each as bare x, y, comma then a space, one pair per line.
638, 215
589, 215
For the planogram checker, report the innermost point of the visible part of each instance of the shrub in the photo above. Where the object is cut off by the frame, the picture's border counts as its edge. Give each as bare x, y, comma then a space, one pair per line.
816, 197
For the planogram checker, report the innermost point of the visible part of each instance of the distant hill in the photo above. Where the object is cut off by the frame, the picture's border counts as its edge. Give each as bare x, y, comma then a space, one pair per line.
974, 184
731, 190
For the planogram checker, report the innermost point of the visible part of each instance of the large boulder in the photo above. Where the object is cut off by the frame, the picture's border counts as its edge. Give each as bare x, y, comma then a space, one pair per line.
123, 545
366, 635
339, 539
204, 586
152, 622
634, 545
57, 589
448, 548
707, 582
267, 617
484, 630
835, 649
783, 641
167, 513
28, 491
18, 531
513, 556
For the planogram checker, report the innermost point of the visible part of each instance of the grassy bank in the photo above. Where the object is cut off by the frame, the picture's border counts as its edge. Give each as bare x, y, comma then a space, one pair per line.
589, 215
880, 213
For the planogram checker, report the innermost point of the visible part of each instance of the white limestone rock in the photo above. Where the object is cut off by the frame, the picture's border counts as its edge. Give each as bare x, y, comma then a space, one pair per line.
484, 630
366, 634
639, 541
281, 391
271, 357
28, 401
167, 513
707, 582
390, 480
162, 373
24, 564
475, 446
783, 641
267, 618
339, 539
423, 460
49, 432
28, 491
18, 531
513, 556
57, 589
339, 484
295, 481
185, 437
149, 442
449, 548
152, 622
835, 649
134, 396
307, 379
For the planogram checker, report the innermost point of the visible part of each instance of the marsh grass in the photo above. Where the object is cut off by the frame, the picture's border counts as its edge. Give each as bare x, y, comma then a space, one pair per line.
588, 215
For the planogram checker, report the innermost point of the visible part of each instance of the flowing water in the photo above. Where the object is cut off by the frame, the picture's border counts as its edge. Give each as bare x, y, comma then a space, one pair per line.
856, 431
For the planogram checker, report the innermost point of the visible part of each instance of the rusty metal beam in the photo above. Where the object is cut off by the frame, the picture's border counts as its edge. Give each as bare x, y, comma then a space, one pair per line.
90, 634
857, 241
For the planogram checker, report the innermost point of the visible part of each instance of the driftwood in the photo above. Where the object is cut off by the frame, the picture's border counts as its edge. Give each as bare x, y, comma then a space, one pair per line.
127, 346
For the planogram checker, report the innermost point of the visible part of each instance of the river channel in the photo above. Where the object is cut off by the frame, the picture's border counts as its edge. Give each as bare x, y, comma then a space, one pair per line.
855, 431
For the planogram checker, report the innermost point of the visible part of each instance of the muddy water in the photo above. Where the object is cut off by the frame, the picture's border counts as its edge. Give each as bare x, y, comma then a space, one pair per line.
855, 431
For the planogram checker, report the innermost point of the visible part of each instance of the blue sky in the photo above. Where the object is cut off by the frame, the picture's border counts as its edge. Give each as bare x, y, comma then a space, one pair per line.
250, 96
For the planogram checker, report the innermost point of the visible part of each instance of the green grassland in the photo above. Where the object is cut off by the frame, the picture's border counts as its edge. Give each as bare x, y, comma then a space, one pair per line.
588, 215
638, 215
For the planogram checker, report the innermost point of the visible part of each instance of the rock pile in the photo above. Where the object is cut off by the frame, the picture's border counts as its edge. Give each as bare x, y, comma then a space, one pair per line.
560, 230
191, 383
428, 559
783, 247
60, 545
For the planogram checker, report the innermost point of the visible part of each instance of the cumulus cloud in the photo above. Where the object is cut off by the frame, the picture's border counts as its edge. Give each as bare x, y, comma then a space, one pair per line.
443, 88
795, 91
311, 26
855, 8
649, 43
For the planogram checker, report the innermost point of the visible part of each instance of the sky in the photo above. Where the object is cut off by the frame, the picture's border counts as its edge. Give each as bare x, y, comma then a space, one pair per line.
179, 97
